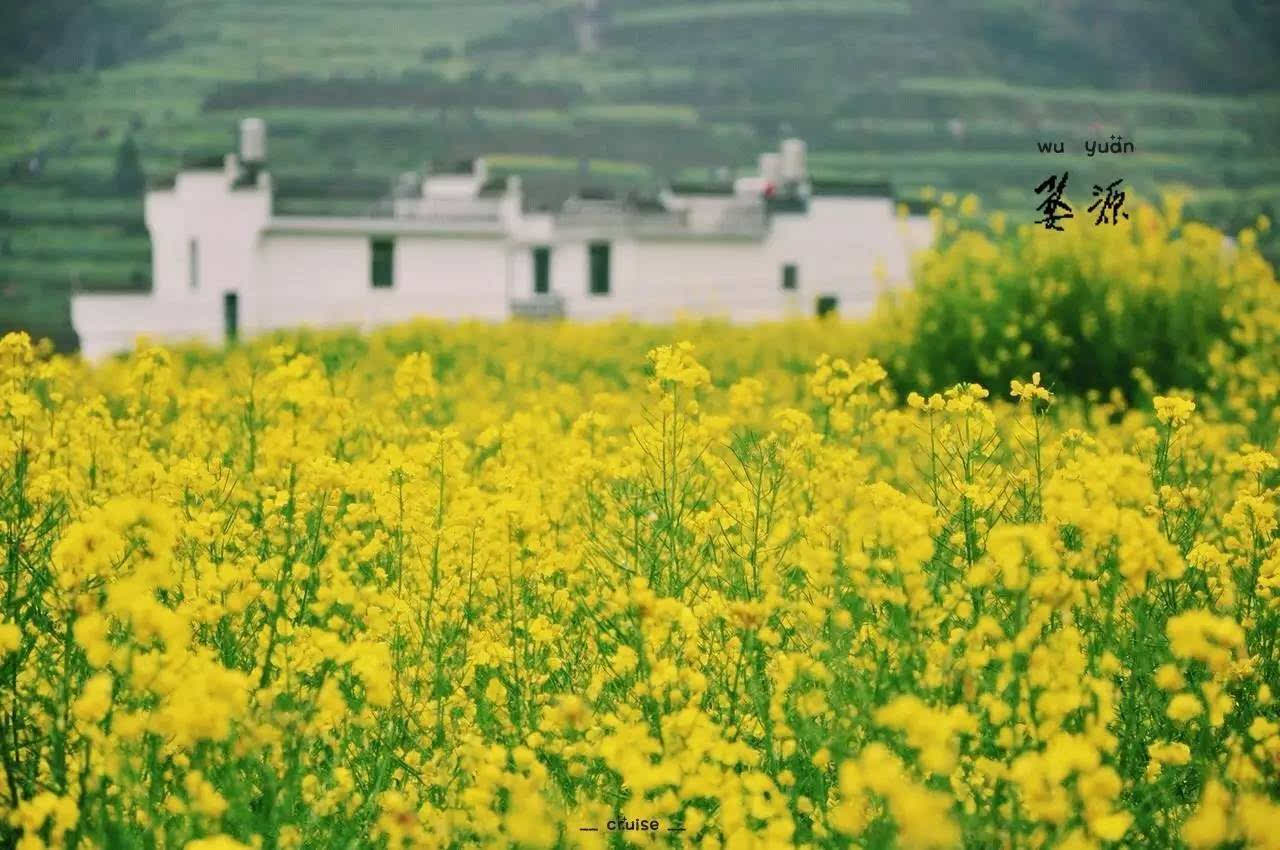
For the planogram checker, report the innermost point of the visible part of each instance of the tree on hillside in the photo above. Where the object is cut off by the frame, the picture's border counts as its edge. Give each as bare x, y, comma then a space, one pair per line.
33, 27
74, 34
130, 179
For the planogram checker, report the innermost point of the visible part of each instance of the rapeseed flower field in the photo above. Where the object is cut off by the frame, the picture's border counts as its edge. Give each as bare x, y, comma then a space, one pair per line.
611, 585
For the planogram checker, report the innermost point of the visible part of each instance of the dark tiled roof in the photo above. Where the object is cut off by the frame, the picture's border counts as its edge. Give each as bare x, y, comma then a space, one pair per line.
786, 204
203, 162
694, 188
853, 188
641, 202
493, 186
248, 176
596, 193
457, 166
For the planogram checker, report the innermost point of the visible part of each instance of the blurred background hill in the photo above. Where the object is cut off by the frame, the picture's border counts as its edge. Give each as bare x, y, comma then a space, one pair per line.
99, 96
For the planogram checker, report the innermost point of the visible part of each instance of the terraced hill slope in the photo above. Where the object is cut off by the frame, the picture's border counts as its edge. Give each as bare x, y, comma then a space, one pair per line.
918, 92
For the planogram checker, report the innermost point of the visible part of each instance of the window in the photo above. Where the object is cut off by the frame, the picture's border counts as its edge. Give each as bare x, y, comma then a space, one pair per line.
231, 316
790, 276
827, 305
382, 263
193, 264
541, 270
599, 256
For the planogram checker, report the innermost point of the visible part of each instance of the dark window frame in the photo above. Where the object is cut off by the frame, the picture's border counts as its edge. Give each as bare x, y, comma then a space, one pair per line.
599, 268
827, 305
790, 276
382, 262
541, 269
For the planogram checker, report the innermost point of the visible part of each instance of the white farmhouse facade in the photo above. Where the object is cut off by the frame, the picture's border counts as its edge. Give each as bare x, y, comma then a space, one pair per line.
465, 246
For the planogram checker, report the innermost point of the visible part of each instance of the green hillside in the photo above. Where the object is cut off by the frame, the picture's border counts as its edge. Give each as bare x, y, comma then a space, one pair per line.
917, 92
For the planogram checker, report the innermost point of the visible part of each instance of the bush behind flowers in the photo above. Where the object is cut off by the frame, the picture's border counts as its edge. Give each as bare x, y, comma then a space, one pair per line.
1150, 303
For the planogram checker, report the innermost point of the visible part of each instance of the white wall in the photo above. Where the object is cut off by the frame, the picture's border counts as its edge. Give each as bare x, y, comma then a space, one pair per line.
706, 211
224, 222
657, 279
167, 226
837, 246
527, 232
722, 278
313, 279
450, 277
290, 272
570, 279
107, 323
324, 279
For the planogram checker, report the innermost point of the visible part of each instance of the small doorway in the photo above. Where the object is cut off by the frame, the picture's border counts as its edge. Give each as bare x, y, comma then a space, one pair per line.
827, 305
231, 316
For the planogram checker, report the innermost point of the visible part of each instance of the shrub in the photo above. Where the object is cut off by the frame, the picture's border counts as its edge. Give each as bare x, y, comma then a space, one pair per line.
1141, 305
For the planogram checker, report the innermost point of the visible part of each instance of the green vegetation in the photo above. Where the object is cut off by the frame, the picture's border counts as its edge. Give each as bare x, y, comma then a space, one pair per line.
1157, 304
898, 90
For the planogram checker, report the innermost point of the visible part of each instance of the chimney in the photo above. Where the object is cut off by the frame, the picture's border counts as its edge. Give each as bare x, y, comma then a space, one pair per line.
253, 141
794, 167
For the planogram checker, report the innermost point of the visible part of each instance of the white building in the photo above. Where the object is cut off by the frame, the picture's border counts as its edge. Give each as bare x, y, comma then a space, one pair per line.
463, 245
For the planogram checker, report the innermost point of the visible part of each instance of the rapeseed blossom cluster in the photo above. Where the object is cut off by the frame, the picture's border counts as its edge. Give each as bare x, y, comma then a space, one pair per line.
607, 586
